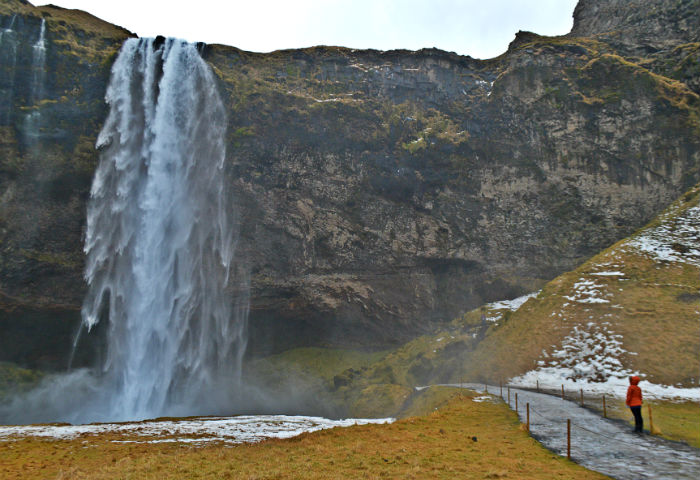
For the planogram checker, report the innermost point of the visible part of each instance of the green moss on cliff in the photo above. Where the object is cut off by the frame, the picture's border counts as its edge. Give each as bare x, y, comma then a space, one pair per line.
59, 259
76, 32
14, 379
10, 160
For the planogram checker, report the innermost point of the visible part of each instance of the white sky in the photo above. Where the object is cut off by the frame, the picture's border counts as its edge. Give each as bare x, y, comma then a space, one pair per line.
481, 29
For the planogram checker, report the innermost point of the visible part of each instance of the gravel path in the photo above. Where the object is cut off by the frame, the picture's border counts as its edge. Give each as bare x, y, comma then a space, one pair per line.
606, 446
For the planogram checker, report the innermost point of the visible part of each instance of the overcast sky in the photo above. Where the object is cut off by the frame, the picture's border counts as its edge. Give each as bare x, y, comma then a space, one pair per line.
481, 29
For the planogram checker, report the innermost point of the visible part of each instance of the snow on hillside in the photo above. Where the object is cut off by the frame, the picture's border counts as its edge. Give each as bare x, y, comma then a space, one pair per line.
496, 309
591, 356
677, 239
512, 305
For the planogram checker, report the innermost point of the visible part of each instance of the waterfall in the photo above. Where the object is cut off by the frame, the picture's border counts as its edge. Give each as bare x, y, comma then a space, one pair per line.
8, 62
38, 61
160, 240
7, 30
36, 91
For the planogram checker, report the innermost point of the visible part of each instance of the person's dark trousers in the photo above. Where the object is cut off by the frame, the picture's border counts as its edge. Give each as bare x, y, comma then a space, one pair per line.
638, 422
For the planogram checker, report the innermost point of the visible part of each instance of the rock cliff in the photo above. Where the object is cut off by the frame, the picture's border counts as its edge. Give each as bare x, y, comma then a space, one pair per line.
380, 192
661, 35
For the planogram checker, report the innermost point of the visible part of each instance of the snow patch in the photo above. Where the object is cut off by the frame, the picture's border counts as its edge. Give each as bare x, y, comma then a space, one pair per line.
586, 291
483, 398
612, 386
591, 358
241, 429
512, 305
676, 239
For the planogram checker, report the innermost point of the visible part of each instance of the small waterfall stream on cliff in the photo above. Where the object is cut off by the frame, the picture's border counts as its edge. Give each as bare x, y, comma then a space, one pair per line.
38, 60
5, 31
160, 243
33, 119
8, 59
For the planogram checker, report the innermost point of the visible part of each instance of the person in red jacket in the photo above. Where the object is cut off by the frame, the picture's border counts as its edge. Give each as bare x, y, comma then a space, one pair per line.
634, 401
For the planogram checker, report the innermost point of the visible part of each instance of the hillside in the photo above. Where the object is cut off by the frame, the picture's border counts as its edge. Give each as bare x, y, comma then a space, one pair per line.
633, 308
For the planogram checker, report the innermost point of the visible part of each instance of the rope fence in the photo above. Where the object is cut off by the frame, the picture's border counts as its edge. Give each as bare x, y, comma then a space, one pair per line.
593, 400
562, 393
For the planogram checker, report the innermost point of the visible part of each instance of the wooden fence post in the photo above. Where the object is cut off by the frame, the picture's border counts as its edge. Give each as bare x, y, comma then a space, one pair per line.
508, 395
501, 385
538, 385
605, 410
527, 405
562, 391
568, 438
516, 402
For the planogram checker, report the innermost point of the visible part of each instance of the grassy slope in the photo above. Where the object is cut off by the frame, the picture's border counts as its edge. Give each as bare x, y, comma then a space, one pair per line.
653, 306
436, 445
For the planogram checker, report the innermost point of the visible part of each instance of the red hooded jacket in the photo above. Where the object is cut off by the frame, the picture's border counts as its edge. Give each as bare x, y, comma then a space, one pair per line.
634, 393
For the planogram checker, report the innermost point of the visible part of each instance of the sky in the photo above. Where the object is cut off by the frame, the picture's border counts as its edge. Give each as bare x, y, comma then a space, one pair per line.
481, 29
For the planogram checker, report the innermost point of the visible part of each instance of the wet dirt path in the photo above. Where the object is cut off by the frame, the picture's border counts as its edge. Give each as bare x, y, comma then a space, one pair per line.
603, 445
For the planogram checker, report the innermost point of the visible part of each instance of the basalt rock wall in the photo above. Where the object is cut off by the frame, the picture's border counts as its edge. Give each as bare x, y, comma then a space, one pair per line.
381, 193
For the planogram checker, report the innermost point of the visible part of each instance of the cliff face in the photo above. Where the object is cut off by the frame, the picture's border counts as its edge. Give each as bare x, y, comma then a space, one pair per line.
661, 35
50, 113
637, 24
379, 192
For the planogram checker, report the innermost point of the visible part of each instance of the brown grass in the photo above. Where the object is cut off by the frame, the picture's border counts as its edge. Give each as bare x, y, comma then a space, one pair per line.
437, 445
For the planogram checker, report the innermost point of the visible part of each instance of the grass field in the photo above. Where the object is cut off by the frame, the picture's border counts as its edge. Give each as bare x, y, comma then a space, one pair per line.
462, 438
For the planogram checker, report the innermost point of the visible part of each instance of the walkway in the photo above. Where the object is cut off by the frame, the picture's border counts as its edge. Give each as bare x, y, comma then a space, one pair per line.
600, 444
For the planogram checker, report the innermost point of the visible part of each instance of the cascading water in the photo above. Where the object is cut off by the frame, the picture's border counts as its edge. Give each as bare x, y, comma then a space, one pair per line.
38, 61
36, 92
159, 240
8, 62
160, 245
7, 31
